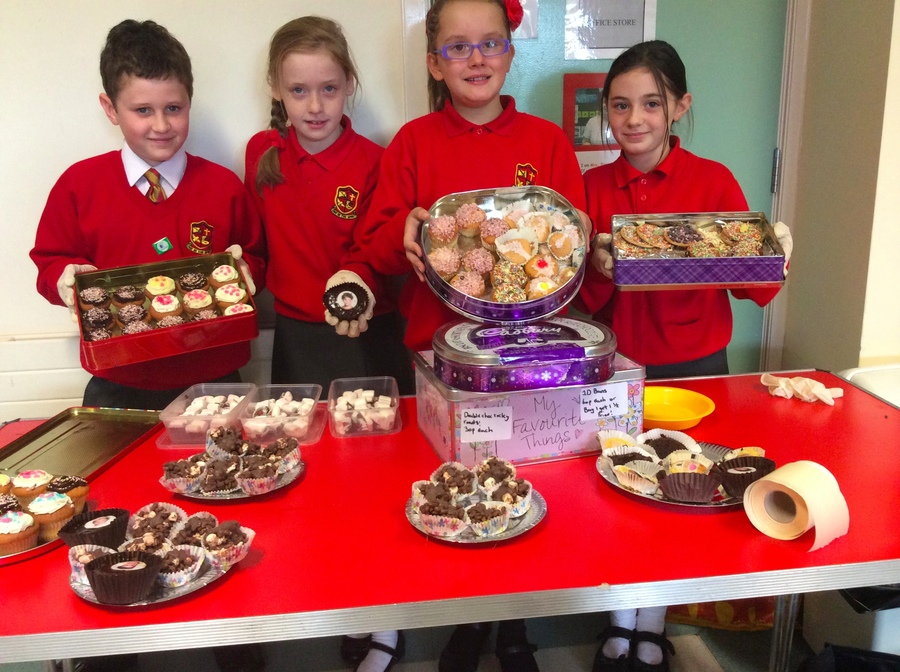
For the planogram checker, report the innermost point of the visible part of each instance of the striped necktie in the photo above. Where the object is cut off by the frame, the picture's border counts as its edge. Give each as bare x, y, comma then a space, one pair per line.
156, 193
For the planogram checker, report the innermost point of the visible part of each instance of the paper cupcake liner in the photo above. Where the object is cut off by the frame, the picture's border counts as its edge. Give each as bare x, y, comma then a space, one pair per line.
123, 587
176, 579
226, 557
180, 485
520, 508
289, 461
199, 514
166, 506
257, 486
680, 437
634, 480
747, 451
649, 470
164, 548
111, 534
684, 460
436, 478
739, 473
50, 531
691, 487
417, 497
610, 438
442, 526
624, 454
493, 526
24, 543
215, 452
489, 490
78, 573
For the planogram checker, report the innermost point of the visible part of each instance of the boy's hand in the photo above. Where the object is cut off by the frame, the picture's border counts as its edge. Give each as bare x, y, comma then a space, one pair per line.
410, 233
66, 286
783, 234
601, 257
237, 252
352, 328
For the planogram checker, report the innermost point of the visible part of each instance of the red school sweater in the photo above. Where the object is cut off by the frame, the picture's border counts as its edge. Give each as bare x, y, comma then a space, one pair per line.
663, 327
310, 218
93, 216
442, 153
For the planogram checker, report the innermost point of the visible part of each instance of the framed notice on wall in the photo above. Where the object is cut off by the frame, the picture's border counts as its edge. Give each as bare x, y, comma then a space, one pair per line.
583, 121
606, 28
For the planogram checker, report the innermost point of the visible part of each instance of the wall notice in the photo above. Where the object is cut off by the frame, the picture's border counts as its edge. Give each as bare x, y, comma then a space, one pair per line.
604, 401
606, 28
486, 424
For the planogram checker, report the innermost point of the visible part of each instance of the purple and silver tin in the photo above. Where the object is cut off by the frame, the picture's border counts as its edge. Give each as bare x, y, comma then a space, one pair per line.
543, 354
496, 203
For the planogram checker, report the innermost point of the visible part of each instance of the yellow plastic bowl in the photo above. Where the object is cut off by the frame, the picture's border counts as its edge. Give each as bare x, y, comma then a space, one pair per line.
674, 407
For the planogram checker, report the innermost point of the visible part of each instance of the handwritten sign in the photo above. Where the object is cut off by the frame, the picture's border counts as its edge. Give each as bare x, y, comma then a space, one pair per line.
486, 424
604, 401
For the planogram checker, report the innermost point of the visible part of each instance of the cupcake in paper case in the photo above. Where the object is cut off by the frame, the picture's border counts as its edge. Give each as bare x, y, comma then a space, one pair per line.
18, 532
148, 542
181, 565
220, 476
75, 487
488, 519
492, 472
104, 527
685, 461
82, 554
123, 578
691, 486
516, 492
442, 519
228, 543
285, 452
258, 475
160, 518
223, 442
747, 451
26, 485
51, 511
625, 454
610, 438
195, 529
665, 441
737, 474
184, 475
456, 476
640, 477
5, 484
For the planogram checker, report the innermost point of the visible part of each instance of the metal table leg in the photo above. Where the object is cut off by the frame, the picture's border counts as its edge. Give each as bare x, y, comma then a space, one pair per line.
786, 607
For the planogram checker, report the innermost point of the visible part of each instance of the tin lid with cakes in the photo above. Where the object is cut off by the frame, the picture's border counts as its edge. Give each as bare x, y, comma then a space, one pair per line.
554, 352
537, 246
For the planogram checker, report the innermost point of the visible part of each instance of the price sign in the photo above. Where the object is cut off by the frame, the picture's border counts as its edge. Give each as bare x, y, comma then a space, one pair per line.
485, 424
604, 401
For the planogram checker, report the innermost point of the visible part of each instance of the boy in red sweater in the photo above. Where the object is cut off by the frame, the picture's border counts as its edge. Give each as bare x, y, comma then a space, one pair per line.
142, 204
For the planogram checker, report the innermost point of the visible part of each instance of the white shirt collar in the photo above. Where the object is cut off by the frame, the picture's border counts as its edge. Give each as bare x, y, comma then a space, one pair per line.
171, 171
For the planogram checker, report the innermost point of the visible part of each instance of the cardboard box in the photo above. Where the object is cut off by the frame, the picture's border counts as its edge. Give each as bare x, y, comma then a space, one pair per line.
529, 425
674, 270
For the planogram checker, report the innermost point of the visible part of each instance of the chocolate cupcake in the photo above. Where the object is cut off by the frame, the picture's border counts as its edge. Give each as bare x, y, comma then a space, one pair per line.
98, 334
97, 318
442, 519
181, 565
346, 301
9, 503
203, 315
93, 297
220, 476
184, 475
488, 518
104, 527
457, 477
136, 327
195, 529
516, 492
228, 542
131, 313
191, 281
691, 486
123, 578
258, 475
128, 295
492, 472
170, 321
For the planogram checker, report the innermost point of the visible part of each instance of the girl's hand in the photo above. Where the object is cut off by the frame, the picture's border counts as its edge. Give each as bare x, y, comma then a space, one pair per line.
410, 234
601, 257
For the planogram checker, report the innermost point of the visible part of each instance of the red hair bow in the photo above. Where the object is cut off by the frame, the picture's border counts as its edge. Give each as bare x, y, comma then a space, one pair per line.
515, 13
276, 139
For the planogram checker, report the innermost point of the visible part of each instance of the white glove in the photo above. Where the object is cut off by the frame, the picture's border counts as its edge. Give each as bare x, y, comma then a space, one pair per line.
783, 234
806, 389
237, 252
602, 258
66, 286
353, 328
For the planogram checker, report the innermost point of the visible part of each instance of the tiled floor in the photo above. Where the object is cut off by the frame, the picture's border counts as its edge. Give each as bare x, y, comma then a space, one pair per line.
567, 644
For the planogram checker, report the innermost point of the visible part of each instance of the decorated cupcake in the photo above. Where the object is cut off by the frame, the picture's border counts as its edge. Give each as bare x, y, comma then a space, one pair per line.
26, 485
443, 231
97, 318
220, 476
18, 532
98, 334
184, 475
164, 305
516, 492
93, 297
469, 283
159, 285
228, 542
427, 491
230, 294
131, 313
192, 281
196, 300
5, 484
540, 287
505, 273
204, 315
223, 275
258, 475
128, 295
539, 222
123, 578
195, 529
492, 472
237, 309
508, 294
137, 327
457, 477
469, 218
445, 261
491, 229
181, 565
560, 245
170, 321
9, 502
479, 260
104, 527
51, 511
284, 452
75, 487
442, 519
517, 246
159, 517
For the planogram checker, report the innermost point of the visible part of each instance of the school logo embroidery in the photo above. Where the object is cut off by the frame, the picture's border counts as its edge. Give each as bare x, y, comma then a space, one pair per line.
345, 201
526, 174
200, 241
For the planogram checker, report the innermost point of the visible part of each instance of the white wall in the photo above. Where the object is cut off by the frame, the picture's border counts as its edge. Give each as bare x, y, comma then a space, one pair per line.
49, 111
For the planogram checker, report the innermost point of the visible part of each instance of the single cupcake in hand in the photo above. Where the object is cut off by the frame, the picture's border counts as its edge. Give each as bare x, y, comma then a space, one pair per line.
188, 282
93, 297
159, 285
128, 295
75, 487
346, 300
230, 294
223, 275
164, 305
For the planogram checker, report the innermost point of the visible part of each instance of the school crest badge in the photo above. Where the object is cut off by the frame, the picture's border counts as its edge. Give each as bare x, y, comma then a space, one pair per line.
346, 199
200, 240
526, 174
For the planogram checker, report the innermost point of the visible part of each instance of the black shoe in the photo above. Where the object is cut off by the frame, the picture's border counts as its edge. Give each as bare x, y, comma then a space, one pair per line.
464, 648
240, 658
514, 651
354, 649
123, 662
603, 663
396, 652
638, 665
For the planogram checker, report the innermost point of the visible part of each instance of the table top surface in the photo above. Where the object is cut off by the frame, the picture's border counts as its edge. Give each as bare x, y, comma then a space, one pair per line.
334, 551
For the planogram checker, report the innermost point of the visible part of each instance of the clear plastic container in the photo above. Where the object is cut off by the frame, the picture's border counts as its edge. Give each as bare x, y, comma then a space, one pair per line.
187, 427
363, 406
301, 418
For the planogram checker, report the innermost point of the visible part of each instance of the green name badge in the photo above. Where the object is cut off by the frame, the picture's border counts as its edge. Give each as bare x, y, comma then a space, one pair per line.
162, 245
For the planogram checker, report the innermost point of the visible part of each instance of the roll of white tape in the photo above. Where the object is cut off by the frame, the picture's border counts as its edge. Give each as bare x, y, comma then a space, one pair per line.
796, 497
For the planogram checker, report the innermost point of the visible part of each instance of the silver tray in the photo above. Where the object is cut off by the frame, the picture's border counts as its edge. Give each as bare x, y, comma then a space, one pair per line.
282, 481
517, 526
720, 502
209, 572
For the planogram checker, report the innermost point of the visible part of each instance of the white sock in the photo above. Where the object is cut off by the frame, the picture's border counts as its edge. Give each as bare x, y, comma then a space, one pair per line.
651, 619
377, 660
359, 635
618, 646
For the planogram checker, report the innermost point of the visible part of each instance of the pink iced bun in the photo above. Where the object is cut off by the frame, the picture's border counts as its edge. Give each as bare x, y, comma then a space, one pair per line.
478, 260
445, 261
491, 229
238, 309
469, 218
469, 283
443, 231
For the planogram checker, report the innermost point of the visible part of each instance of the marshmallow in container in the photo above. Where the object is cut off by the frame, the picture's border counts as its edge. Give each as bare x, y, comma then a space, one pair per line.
362, 410
288, 414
